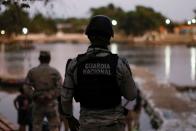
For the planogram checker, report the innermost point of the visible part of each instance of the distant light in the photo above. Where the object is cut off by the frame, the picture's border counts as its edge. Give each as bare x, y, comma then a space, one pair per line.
167, 61
114, 22
24, 30
193, 63
189, 22
2, 32
193, 21
167, 21
114, 48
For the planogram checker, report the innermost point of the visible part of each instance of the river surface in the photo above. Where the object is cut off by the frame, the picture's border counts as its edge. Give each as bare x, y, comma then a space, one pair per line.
170, 64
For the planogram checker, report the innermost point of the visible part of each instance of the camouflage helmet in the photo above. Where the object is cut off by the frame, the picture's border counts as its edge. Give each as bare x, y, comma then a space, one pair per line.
100, 25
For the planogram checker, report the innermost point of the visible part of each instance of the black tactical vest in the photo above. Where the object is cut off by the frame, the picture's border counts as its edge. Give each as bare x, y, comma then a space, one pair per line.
97, 86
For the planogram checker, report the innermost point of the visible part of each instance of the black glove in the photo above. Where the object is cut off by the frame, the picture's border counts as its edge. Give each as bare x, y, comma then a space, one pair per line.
73, 123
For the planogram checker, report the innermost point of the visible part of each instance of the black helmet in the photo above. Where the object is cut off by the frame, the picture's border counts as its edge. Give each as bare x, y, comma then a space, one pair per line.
100, 25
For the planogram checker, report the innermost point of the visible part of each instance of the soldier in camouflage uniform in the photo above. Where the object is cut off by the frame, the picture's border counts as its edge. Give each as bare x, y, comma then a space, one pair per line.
98, 79
43, 84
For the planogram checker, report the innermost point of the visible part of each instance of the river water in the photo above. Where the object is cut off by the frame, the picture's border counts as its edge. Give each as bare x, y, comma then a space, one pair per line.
170, 64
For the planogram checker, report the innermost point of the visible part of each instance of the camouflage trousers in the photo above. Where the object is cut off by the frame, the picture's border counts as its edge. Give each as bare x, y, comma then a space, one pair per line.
112, 127
50, 112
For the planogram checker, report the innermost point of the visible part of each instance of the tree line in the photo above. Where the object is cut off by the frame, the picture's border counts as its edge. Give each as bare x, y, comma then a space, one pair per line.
14, 18
135, 22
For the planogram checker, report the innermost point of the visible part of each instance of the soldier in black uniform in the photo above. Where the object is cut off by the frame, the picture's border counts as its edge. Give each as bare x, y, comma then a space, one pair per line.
98, 79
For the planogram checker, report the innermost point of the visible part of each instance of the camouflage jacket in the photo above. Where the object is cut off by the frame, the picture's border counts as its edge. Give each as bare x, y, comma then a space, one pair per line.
43, 84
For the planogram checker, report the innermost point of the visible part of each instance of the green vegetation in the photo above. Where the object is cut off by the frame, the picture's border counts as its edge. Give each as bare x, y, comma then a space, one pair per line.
135, 22
115, 13
13, 19
41, 24
141, 20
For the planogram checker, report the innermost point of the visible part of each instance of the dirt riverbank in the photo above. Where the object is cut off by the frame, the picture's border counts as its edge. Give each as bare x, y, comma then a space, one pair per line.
171, 39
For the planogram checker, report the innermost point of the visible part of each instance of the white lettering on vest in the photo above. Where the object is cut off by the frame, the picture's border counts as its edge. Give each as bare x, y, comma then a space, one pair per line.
97, 69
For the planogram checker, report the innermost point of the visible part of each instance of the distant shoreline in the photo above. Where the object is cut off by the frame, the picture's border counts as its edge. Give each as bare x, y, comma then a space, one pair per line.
168, 39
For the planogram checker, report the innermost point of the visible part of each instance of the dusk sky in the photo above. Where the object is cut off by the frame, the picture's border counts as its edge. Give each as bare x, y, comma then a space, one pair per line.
177, 10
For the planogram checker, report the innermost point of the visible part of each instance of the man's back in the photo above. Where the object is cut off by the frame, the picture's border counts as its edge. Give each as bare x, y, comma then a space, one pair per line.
44, 77
122, 77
